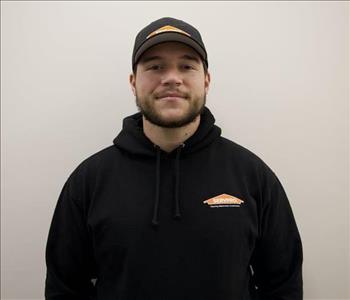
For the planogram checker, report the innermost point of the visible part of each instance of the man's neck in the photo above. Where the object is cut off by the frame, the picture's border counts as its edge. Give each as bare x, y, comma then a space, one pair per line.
169, 138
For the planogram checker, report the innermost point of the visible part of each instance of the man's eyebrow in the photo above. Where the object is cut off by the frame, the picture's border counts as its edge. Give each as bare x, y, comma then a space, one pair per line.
155, 57
191, 57
149, 58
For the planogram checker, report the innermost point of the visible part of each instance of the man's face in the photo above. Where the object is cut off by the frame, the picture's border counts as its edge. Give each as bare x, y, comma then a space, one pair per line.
170, 85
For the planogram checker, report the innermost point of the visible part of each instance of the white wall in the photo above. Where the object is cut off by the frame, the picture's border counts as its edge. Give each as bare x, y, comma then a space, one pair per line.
280, 87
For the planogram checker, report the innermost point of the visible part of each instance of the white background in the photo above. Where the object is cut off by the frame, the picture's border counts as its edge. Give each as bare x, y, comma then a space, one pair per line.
280, 87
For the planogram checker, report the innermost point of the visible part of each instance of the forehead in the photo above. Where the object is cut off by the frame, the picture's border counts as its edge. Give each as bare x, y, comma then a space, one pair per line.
170, 50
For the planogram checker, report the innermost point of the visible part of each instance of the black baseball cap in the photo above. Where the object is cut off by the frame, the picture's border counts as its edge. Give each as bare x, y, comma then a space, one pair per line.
168, 30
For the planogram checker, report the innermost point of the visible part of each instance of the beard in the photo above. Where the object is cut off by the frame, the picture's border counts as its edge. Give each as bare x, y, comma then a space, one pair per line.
147, 108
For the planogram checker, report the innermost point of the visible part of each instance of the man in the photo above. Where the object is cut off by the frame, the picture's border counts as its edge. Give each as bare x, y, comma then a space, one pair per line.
173, 210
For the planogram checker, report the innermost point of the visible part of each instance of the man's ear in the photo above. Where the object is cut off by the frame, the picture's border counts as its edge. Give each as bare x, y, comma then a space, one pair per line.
132, 80
206, 82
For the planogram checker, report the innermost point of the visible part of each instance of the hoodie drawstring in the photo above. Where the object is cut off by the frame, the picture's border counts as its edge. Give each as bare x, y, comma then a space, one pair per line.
177, 213
156, 201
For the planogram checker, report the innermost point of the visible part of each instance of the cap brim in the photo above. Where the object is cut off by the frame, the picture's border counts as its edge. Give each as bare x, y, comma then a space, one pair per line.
169, 37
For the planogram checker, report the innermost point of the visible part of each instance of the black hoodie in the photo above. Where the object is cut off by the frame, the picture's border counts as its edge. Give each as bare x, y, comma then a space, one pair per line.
209, 220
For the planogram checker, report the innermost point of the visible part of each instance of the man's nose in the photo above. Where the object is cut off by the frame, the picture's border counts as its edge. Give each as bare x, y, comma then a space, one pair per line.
172, 77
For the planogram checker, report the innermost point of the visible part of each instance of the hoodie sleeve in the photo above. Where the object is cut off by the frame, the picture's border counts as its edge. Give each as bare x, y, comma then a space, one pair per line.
278, 255
69, 257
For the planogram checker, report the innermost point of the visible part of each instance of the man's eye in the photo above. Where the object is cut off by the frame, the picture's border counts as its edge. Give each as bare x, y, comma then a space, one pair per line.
154, 67
188, 67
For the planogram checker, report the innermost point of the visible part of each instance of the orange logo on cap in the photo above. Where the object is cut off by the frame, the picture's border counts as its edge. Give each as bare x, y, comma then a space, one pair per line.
223, 199
165, 29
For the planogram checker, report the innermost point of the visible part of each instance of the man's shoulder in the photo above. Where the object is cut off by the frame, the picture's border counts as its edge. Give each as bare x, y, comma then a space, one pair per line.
237, 150
100, 156
243, 158
92, 163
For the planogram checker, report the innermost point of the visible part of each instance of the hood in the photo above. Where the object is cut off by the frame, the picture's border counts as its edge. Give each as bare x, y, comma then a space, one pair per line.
133, 140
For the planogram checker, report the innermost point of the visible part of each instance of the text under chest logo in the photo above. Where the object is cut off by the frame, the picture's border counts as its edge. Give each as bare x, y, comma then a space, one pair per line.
224, 200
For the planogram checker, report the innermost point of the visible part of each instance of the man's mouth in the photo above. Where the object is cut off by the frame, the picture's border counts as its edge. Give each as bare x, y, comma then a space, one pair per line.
171, 97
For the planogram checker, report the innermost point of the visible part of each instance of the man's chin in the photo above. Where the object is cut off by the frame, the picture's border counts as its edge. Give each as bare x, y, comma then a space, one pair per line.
170, 120
172, 114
